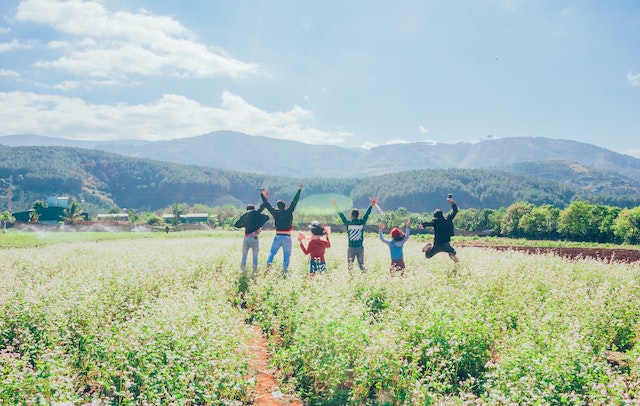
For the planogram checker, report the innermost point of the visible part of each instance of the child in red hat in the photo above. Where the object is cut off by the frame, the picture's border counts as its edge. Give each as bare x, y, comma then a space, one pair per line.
316, 247
398, 238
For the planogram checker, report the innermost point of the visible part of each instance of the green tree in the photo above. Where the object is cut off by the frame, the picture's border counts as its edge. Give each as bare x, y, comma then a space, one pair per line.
604, 218
151, 219
392, 218
6, 218
574, 221
73, 214
132, 216
582, 221
510, 224
467, 220
540, 223
39, 205
627, 225
227, 215
177, 210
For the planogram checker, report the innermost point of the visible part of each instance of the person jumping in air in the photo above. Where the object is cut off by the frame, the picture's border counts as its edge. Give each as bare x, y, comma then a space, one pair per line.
316, 248
442, 230
252, 221
398, 238
283, 219
355, 233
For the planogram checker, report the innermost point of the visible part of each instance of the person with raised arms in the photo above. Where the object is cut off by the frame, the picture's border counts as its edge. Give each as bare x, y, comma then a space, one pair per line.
442, 230
355, 233
252, 221
396, 243
283, 219
316, 247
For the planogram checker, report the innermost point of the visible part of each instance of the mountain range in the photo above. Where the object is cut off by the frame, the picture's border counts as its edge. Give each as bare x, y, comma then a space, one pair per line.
240, 152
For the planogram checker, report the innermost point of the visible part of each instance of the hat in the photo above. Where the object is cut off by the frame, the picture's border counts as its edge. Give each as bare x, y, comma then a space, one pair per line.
316, 228
395, 232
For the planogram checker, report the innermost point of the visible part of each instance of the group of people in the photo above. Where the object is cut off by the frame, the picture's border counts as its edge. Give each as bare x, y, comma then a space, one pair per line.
253, 220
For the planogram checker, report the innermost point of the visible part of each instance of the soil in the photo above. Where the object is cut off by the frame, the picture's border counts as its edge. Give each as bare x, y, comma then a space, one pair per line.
267, 390
606, 254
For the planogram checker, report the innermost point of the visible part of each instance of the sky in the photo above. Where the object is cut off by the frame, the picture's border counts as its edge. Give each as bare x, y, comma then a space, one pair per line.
352, 73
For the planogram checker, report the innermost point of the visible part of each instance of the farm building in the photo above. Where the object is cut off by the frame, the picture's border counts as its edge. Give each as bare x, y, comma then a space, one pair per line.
191, 218
52, 214
59, 201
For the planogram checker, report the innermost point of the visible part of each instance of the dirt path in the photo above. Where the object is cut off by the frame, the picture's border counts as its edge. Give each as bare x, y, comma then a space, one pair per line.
268, 392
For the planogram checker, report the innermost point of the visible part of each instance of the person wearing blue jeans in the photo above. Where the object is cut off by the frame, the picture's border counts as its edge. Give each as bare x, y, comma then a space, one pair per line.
252, 221
283, 219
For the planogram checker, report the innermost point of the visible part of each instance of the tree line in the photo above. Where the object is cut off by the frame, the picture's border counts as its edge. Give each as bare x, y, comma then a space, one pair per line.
102, 180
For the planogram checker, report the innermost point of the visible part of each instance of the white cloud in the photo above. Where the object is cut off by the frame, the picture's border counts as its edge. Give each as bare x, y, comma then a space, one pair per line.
15, 44
633, 78
423, 129
11, 74
396, 141
104, 43
172, 116
368, 145
67, 85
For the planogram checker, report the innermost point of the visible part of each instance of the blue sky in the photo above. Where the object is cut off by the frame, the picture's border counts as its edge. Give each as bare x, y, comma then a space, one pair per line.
350, 73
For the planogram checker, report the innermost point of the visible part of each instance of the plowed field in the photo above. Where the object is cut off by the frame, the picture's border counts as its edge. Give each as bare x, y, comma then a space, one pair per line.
607, 254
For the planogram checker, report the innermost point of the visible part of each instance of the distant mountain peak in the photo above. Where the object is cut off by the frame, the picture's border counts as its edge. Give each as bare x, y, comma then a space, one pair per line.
232, 150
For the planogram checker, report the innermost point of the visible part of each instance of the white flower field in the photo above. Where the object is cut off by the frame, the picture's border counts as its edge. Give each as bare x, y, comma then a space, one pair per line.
167, 318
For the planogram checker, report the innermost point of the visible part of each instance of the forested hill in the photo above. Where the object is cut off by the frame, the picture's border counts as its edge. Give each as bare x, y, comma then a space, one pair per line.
102, 180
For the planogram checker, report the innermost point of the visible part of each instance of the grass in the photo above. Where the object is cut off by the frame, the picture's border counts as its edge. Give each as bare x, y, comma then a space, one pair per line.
17, 239
162, 319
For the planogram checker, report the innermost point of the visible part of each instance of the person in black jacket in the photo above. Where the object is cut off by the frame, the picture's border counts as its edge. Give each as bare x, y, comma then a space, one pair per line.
283, 219
442, 230
252, 221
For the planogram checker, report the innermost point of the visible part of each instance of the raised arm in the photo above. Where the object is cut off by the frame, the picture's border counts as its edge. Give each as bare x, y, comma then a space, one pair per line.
372, 202
454, 208
340, 213
265, 202
380, 228
294, 202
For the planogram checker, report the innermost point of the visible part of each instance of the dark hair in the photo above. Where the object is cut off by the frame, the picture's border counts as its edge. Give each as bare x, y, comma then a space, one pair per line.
437, 213
251, 207
355, 213
281, 205
317, 230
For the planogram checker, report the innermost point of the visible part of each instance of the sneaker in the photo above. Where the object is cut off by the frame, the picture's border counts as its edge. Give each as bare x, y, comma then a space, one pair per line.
453, 257
426, 248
